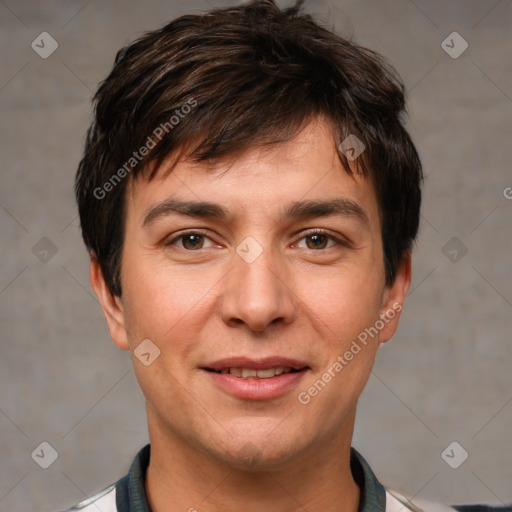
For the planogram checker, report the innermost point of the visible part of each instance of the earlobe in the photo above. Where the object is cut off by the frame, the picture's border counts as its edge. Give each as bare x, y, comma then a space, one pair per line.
394, 298
111, 305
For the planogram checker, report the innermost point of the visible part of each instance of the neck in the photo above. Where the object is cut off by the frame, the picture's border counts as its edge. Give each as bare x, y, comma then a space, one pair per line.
317, 479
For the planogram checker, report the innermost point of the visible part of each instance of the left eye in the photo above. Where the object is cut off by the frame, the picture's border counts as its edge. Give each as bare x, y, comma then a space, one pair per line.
316, 241
191, 241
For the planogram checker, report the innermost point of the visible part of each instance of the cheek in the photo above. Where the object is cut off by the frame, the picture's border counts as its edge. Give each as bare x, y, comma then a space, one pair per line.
344, 301
168, 311
160, 297
168, 307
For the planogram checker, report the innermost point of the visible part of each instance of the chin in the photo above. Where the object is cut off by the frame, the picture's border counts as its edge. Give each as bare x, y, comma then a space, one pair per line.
253, 453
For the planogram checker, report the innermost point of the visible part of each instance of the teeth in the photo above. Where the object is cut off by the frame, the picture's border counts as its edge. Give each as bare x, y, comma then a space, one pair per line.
250, 373
264, 374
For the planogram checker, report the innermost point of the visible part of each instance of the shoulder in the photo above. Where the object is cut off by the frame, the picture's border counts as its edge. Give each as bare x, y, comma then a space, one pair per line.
105, 501
378, 497
395, 502
121, 495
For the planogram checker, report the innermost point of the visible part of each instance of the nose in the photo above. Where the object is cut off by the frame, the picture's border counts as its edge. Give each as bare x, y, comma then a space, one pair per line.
258, 294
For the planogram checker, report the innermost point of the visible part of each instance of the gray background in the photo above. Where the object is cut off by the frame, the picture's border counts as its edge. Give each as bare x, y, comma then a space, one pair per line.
446, 375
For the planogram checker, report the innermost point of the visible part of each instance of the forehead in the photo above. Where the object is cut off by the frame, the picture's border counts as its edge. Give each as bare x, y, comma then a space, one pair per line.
265, 178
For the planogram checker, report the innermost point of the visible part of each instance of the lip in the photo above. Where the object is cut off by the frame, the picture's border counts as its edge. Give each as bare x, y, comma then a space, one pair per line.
254, 388
255, 364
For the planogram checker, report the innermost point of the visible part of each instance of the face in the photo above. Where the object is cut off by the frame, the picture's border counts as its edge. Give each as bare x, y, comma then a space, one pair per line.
255, 304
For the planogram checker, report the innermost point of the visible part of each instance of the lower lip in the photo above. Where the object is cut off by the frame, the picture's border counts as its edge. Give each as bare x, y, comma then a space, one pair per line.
256, 389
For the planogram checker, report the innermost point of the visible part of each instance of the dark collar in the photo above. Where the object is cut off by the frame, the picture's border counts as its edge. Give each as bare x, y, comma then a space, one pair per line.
131, 495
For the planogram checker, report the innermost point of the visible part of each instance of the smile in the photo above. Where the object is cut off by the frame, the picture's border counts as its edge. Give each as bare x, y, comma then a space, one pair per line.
256, 384
251, 373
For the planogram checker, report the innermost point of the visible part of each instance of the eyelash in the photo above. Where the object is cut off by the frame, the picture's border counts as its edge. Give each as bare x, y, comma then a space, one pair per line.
184, 234
336, 240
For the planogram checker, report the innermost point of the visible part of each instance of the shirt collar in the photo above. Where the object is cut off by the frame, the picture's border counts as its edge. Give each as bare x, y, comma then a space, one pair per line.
131, 494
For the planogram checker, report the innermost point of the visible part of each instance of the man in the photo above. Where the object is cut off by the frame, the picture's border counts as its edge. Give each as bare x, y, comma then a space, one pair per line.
249, 198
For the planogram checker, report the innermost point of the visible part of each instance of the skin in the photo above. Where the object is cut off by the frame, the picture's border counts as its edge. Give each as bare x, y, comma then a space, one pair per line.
211, 451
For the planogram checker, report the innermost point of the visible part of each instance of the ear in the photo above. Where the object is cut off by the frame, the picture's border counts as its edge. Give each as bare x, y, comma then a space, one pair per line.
110, 304
393, 299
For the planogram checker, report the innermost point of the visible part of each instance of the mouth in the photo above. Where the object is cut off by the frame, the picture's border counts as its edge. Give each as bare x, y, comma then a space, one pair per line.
251, 373
250, 379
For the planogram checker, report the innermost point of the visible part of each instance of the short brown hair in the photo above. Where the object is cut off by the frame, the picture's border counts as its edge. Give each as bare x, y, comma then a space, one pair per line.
207, 86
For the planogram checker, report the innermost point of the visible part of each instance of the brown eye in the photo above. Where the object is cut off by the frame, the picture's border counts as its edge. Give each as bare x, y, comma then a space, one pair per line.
192, 241
316, 241
320, 240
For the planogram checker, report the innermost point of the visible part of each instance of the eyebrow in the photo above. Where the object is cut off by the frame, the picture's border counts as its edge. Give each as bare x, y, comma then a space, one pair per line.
297, 210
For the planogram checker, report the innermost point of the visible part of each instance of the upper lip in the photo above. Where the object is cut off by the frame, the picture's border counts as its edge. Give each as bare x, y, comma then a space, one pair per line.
256, 364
